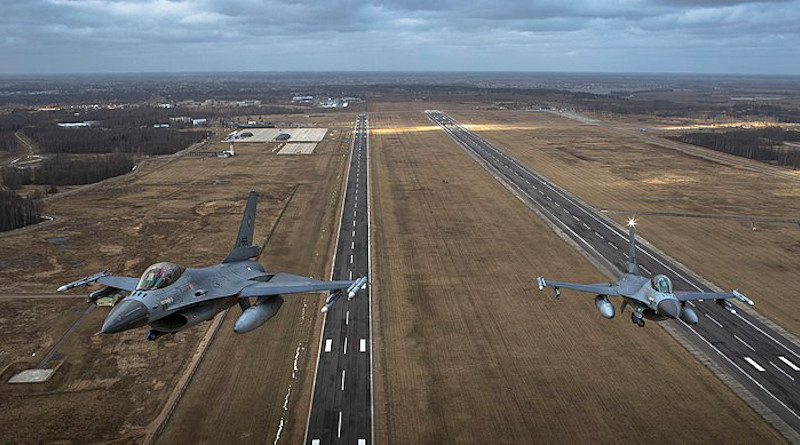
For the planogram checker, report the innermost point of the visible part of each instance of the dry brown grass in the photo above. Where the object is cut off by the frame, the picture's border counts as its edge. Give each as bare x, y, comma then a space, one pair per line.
468, 352
609, 168
184, 209
243, 380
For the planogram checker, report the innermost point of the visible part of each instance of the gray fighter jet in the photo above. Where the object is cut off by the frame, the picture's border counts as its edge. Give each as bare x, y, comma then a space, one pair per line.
170, 298
651, 298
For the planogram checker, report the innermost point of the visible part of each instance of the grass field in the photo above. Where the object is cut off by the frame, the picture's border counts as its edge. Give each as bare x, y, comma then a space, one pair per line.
185, 209
617, 170
468, 352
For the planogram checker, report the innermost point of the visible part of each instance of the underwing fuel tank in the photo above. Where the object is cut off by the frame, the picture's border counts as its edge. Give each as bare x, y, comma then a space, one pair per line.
604, 306
258, 314
688, 315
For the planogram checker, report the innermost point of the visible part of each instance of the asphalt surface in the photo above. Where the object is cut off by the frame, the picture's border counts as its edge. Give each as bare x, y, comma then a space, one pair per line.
341, 405
759, 358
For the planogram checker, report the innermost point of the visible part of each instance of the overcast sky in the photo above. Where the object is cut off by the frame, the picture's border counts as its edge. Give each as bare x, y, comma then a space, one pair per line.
703, 36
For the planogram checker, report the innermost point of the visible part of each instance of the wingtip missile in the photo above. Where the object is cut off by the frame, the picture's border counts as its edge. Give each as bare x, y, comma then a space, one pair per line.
83, 281
356, 287
741, 297
330, 301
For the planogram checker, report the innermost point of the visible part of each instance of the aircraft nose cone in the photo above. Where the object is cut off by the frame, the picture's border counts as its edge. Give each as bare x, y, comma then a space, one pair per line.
128, 314
669, 306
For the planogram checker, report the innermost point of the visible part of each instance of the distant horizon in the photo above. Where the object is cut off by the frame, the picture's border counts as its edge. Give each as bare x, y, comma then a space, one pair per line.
714, 37
367, 71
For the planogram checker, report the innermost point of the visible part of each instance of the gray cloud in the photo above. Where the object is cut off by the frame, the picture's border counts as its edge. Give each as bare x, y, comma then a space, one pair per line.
546, 35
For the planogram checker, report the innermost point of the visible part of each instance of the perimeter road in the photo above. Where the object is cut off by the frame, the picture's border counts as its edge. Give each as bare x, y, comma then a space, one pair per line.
341, 403
760, 359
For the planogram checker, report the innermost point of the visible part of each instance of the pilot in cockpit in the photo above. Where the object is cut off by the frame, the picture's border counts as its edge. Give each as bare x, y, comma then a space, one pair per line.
159, 275
661, 283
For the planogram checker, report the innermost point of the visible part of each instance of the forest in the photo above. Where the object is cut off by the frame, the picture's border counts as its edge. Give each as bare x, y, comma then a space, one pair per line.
134, 140
62, 170
16, 211
763, 144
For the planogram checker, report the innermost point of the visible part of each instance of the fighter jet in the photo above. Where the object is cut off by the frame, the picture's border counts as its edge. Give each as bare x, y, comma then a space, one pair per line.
169, 297
651, 298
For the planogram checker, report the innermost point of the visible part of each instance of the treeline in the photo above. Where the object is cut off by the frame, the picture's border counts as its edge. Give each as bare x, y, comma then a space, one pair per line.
8, 142
134, 140
762, 144
16, 211
60, 170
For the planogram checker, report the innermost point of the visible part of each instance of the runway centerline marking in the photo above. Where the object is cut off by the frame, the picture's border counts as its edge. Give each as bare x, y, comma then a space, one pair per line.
713, 320
744, 343
782, 371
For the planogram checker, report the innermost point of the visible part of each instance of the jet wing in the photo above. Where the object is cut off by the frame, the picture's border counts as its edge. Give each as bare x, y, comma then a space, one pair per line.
734, 294
284, 283
599, 288
124, 283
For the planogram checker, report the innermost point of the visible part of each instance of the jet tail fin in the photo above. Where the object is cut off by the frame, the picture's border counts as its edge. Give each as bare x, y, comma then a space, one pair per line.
244, 248
631, 265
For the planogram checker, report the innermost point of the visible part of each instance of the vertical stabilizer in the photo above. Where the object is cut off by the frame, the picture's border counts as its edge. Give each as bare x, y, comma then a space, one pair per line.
244, 248
631, 266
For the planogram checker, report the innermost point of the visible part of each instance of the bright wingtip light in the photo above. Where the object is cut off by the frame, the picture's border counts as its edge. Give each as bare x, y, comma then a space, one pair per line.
631, 222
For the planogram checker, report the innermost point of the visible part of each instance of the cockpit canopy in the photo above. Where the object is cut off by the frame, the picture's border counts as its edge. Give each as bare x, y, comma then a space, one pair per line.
159, 275
661, 283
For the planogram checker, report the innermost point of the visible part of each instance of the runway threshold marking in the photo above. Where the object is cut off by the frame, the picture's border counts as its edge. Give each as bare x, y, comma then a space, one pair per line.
754, 364
328, 345
362, 345
767, 335
788, 363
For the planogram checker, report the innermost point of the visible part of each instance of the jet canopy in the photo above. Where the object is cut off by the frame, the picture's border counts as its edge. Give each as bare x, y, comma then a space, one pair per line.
159, 275
661, 283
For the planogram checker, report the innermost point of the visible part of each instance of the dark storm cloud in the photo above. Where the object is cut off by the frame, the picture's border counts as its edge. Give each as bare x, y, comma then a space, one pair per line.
598, 35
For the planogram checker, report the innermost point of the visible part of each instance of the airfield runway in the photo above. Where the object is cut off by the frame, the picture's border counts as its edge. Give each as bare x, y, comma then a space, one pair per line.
761, 360
341, 405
